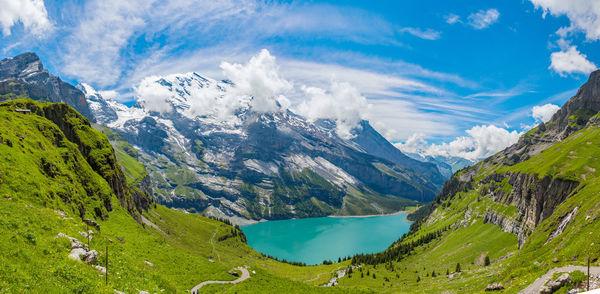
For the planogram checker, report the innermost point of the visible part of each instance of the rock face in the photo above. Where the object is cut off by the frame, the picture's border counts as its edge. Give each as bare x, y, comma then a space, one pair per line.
534, 198
256, 165
24, 75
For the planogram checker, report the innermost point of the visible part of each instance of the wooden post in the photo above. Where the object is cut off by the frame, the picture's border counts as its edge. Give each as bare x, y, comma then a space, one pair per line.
588, 284
107, 263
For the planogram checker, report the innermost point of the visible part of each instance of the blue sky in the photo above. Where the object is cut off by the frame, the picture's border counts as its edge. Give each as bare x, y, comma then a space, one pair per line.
430, 70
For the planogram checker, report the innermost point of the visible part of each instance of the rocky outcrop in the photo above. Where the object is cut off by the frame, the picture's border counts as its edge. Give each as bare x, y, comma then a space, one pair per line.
562, 225
24, 75
534, 198
79, 251
556, 284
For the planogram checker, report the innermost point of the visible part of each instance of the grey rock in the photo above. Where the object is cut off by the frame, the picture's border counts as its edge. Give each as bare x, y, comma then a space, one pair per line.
494, 287
556, 284
100, 268
90, 256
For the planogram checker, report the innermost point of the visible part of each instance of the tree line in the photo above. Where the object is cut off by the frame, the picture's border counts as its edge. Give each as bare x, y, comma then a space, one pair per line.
398, 250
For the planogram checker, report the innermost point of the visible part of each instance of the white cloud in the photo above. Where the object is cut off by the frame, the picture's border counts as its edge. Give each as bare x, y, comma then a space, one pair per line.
544, 113
101, 48
427, 34
153, 95
259, 79
583, 14
481, 141
483, 18
109, 94
570, 61
31, 13
342, 103
452, 18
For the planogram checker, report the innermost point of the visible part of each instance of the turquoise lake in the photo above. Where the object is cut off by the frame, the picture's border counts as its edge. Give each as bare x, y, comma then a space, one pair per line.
312, 240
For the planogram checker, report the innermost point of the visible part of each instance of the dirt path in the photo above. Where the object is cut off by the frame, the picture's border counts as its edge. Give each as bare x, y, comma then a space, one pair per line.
245, 275
534, 288
212, 242
323, 273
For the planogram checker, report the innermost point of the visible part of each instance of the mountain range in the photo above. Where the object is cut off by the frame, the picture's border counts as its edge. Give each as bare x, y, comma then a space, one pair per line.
254, 165
204, 155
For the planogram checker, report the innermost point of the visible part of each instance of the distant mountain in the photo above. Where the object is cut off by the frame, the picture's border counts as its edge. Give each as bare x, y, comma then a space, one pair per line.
255, 165
446, 165
24, 76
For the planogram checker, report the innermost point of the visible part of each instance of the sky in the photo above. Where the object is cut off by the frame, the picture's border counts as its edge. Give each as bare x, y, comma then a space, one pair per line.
452, 78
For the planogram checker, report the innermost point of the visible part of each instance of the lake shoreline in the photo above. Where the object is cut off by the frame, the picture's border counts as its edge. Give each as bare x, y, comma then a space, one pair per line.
369, 215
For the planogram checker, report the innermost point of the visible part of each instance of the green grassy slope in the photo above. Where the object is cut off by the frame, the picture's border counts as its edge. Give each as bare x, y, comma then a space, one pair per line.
468, 239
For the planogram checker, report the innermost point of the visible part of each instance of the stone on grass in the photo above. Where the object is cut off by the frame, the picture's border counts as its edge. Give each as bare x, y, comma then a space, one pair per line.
90, 256
494, 287
556, 284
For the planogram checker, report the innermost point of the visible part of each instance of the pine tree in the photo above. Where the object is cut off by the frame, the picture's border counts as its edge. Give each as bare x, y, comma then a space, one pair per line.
457, 268
433, 275
447, 272
487, 261
418, 279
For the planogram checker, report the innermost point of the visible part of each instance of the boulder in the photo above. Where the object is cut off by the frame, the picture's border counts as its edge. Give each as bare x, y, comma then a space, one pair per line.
76, 253
556, 284
100, 269
494, 287
90, 256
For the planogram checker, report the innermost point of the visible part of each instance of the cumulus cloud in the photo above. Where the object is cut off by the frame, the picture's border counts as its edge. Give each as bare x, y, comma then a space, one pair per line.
452, 18
583, 14
153, 95
570, 61
342, 103
483, 18
259, 79
480, 142
31, 13
544, 113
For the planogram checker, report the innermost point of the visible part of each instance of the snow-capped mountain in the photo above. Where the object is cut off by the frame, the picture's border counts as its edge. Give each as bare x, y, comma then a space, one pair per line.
210, 149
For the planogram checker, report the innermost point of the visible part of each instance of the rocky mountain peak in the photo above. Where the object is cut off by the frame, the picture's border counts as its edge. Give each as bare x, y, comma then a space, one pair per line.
20, 66
570, 118
24, 76
581, 107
